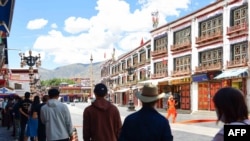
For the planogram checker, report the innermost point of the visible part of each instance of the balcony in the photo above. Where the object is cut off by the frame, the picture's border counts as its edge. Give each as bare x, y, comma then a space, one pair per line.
159, 75
135, 65
237, 63
142, 63
181, 72
159, 52
148, 61
209, 39
209, 67
237, 30
180, 47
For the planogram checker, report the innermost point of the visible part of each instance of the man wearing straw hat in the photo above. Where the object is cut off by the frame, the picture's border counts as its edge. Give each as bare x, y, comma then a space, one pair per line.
147, 124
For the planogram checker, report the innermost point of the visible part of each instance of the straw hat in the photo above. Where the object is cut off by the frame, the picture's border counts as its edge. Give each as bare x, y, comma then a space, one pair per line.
149, 94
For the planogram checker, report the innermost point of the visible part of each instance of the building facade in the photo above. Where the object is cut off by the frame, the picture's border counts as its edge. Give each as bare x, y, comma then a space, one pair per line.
192, 57
19, 80
80, 91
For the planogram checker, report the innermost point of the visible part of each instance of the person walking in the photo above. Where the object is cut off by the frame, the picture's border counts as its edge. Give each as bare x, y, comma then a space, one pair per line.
8, 112
41, 131
16, 115
147, 124
56, 117
231, 109
32, 124
4, 103
101, 120
24, 114
171, 108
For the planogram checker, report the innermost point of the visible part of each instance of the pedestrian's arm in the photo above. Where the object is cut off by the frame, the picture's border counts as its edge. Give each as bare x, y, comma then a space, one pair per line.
42, 116
23, 113
68, 122
124, 130
86, 126
118, 124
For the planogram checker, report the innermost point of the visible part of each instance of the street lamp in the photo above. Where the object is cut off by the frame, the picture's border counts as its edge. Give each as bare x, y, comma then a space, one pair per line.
110, 81
131, 106
30, 61
91, 76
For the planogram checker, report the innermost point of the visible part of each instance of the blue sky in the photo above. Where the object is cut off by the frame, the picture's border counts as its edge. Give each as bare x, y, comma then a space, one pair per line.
66, 32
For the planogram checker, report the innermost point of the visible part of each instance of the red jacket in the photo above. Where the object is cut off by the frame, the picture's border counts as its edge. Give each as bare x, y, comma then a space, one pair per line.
101, 121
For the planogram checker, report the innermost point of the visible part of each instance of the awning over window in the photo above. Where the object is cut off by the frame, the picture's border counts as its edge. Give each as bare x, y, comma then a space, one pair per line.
239, 72
199, 77
6, 13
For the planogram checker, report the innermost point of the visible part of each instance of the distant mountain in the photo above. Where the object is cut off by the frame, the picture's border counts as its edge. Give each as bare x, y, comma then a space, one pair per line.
72, 70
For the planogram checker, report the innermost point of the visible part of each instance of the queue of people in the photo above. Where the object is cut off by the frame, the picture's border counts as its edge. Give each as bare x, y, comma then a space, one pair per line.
51, 119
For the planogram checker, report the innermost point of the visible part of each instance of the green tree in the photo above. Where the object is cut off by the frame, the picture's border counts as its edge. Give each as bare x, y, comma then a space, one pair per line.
56, 82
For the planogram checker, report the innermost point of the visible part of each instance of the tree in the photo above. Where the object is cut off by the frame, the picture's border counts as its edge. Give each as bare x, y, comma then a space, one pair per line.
56, 82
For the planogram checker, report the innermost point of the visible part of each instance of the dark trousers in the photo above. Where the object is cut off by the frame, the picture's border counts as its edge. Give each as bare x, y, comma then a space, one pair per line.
23, 123
41, 135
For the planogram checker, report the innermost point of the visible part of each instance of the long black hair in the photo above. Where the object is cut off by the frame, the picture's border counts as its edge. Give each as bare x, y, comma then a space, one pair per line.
230, 105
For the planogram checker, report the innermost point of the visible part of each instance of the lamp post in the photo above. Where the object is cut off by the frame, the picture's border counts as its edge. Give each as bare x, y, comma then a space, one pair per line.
110, 89
131, 106
91, 76
30, 61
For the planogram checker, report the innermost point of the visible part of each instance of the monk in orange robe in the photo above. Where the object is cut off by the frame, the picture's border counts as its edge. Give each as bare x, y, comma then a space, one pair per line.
171, 108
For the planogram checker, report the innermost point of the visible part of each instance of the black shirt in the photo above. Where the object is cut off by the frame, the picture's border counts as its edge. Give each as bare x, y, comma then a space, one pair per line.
25, 105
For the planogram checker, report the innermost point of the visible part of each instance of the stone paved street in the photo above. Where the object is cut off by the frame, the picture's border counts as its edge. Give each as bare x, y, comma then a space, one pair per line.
201, 131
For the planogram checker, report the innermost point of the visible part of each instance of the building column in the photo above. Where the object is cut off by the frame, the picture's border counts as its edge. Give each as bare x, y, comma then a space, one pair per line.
194, 97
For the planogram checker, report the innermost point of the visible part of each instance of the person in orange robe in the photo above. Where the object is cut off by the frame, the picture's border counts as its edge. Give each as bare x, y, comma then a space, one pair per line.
171, 108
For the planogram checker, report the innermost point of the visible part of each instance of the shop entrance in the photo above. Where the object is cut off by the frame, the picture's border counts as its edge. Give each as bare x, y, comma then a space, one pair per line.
206, 91
185, 96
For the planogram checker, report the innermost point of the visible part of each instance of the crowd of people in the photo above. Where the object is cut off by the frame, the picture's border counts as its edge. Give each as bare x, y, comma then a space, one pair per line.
50, 120
34, 119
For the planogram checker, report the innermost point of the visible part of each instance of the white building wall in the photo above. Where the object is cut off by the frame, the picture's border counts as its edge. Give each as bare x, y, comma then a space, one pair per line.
226, 45
195, 62
170, 56
194, 97
152, 71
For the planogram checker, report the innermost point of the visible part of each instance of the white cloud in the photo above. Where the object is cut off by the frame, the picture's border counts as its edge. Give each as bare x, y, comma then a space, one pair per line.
76, 25
114, 26
37, 24
54, 25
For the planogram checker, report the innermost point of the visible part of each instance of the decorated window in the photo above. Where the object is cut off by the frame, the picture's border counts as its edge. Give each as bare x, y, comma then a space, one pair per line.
160, 67
182, 36
182, 63
135, 60
207, 58
239, 51
240, 15
149, 54
143, 56
160, 43
129, 63
211, 26
123, 65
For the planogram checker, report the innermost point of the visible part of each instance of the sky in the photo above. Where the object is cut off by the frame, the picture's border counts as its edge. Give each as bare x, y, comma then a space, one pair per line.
65, 32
